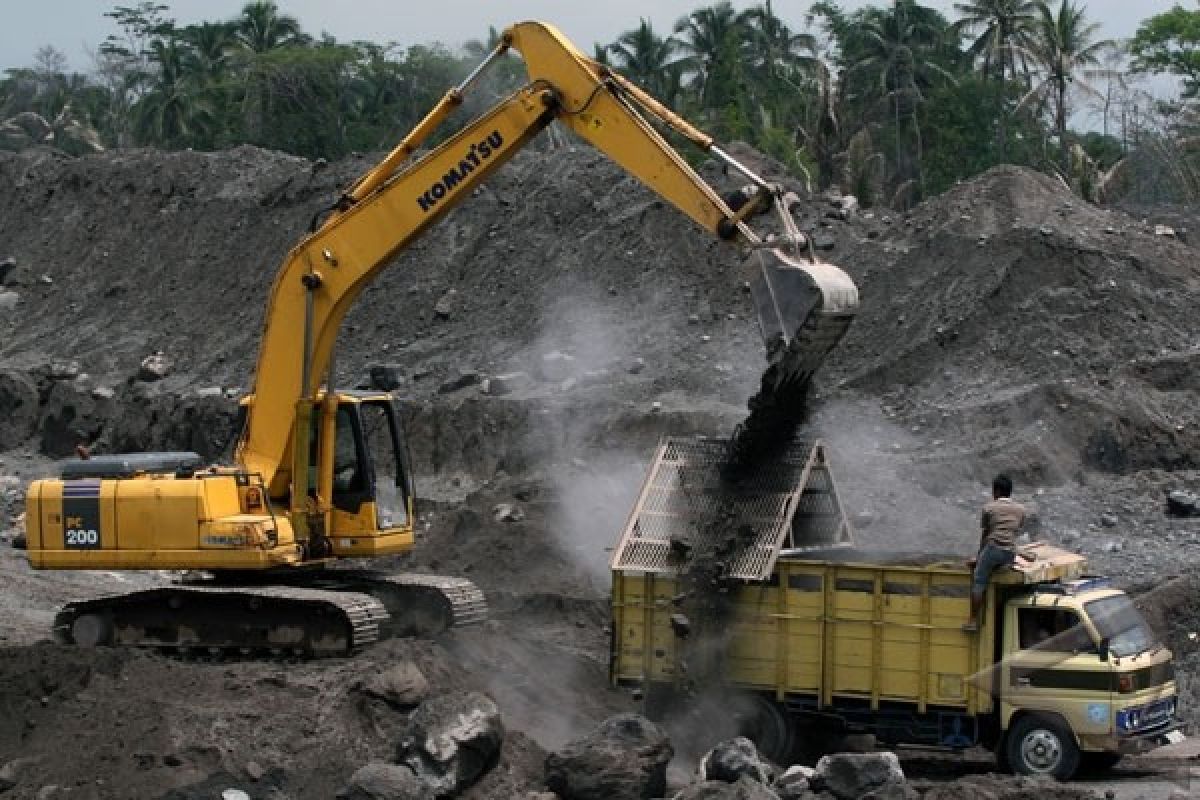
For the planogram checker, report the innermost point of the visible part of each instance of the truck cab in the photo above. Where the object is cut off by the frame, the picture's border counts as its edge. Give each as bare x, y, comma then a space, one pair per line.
1082, 678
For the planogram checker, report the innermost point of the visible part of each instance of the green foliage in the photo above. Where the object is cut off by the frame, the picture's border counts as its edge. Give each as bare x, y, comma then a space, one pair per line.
891, 100
963, 121
1170, 42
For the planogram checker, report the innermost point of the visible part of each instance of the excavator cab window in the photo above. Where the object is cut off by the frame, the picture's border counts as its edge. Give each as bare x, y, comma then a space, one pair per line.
391, 477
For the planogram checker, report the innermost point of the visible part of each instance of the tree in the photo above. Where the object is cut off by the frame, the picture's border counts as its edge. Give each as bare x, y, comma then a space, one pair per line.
711, 41
1062, 43
1170, 42
647, 59
1002, 30
896, 54
261, 28
172, 113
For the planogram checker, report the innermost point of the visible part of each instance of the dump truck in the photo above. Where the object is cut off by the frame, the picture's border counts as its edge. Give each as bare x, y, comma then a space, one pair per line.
1063, 673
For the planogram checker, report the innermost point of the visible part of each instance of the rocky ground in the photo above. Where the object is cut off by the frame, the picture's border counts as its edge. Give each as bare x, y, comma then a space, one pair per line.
1004, 325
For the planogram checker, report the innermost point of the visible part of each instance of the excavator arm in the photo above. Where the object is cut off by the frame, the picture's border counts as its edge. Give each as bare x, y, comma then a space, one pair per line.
395, 202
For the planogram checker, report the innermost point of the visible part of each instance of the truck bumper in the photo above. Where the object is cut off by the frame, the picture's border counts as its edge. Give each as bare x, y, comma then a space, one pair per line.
1135, 743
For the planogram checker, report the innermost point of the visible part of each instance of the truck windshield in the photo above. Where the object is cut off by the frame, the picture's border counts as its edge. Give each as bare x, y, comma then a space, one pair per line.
1117, 620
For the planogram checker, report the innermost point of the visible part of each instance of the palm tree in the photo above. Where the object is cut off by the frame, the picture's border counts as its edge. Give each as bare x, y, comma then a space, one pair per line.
711, 41
897, 53
171, 113
775, 49
1002, 30
261, 28
646, 58
1062, 43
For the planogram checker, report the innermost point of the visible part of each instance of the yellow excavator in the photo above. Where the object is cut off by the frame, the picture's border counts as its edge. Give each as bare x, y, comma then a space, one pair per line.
320, 474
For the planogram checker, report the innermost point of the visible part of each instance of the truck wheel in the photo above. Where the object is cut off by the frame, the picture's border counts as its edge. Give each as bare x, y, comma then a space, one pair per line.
768, 725
1038, 745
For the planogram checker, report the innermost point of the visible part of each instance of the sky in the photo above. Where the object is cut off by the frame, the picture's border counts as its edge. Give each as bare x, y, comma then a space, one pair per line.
76, 27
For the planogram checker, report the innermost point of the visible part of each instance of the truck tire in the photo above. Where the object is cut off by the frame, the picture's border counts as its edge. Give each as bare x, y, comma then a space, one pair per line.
1042, 745
768, 725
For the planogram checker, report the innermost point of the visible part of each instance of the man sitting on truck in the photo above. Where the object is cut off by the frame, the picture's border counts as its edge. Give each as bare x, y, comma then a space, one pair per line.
1002, 518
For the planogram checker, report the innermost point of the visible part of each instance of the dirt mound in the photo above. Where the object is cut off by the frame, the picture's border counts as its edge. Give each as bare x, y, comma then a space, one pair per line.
144, 726
1011, 319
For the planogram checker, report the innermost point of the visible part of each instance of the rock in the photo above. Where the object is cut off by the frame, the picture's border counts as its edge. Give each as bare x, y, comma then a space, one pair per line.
385, 377
1108, 520
254, 771
556, 366
45, 280
445, 305
1179, 503
637, 366
464, 379
18, 408
793, 784
1113, 547
379, 780
745, 788
71, 416
234, 794
8, 300
734, 758
507, 383
823, 241
851, 776
63, 370
1164, 230
154, 367
210, 391
452, 740
624, 758
7, 266
10, 773
401, 685
507, 512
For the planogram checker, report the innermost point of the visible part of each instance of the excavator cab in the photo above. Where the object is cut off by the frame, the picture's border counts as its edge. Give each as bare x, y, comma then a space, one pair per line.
372, 488
370, 465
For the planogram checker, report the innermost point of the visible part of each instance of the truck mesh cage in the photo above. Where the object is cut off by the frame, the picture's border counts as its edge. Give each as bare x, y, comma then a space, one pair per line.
686, 508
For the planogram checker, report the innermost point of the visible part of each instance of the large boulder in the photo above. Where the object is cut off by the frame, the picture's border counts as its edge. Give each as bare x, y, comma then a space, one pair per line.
624, 758
732, 759
72, 415
380, 780
853, 776
744, 788
18, 408
402, 685
452, 740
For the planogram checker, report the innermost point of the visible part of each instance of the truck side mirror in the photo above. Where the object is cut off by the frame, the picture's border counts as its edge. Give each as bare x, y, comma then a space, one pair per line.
1103, 649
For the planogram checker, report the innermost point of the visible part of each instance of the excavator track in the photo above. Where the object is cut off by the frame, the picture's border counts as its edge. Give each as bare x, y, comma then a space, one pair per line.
322, 614
281, 621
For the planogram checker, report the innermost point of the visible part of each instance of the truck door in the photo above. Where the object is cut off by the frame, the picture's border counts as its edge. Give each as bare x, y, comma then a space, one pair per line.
1052, 665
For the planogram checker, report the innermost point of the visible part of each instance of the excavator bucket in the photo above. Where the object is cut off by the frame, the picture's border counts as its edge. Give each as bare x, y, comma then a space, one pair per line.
804, 308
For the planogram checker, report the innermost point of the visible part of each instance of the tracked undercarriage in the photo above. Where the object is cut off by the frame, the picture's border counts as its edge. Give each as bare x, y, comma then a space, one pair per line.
311, 615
